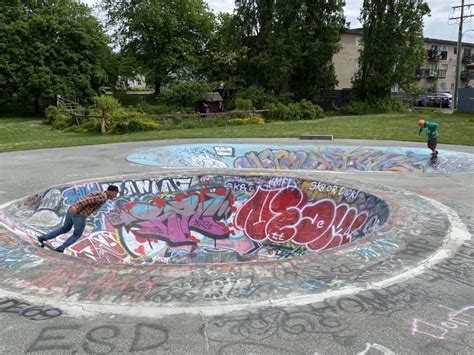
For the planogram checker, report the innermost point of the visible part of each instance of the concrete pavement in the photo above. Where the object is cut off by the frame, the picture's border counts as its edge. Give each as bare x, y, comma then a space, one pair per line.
415, 297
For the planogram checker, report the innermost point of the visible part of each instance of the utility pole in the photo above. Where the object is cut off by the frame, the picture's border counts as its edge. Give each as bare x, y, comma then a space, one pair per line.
459, 47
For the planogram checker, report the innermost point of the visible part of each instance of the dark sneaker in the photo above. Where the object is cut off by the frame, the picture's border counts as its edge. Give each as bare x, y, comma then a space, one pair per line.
41, 241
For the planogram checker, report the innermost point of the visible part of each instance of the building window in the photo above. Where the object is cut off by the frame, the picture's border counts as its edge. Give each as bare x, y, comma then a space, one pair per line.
455, 50
442, 86
444, 66
358, 41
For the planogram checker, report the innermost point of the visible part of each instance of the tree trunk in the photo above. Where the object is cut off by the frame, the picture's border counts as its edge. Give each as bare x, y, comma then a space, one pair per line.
36, 104
102, 122
157, 86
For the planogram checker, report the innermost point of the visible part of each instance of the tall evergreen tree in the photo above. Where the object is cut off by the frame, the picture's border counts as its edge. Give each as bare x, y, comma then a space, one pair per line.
288, 45
392, 46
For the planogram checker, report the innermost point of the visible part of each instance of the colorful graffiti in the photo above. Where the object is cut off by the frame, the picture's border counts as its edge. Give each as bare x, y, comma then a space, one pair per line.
282, 215
205, 218
340, 158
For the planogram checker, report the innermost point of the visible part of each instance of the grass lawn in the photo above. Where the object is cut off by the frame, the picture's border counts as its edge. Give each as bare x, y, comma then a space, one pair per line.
21, 133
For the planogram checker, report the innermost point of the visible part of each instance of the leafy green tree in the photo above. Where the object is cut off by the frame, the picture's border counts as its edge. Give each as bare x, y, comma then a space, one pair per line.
219, 62
166, 37
50, 47
392, 40
105, 104
288, 45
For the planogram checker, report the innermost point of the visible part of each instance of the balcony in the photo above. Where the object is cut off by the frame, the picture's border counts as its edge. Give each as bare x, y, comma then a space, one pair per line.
467, 75
441, 74
431, 74
468, 58
435, 55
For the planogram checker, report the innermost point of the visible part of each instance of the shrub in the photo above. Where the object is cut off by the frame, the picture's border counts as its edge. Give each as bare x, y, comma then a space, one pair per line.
243, 104
185, 94
51, 113
144, 124
155, 109
107, 103
91, 125
257, 95
278, 112
309, 111
58, 118
303, 110
125, 121
237, 114
385, 105
247, 120
63, 121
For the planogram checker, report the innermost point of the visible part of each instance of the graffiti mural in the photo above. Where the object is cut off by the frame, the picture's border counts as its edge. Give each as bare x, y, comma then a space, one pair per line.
205, 218
311, 157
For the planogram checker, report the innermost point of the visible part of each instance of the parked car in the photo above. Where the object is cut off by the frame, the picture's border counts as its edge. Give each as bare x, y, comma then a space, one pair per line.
421, 100
440, 100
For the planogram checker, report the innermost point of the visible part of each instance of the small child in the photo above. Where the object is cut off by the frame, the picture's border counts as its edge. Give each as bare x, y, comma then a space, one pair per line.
431, 130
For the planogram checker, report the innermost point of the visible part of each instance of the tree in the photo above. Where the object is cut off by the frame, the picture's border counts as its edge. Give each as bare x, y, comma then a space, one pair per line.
165, 36
288, 45
50, 47
392, 46
105, 104
219, 62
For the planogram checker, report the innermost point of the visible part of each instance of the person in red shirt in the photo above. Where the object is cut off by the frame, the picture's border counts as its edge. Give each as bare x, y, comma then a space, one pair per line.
77, 214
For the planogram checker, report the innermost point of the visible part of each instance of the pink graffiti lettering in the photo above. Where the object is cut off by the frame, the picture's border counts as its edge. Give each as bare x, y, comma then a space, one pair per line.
171, 221
440, 331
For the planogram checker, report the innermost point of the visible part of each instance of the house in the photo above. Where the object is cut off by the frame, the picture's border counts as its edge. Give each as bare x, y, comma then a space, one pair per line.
437, 73
213, 103
135, 83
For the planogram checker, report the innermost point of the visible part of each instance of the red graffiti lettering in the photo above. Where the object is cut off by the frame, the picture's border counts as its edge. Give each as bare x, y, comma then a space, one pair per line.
283, 215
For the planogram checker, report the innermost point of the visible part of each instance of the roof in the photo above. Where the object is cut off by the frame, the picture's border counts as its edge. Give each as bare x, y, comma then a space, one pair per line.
444, 41
214, 97
354, 31
358, 31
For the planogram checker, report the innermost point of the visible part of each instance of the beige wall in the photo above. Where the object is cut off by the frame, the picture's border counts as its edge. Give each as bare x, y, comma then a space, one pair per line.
346, 65
449, 64
347, 60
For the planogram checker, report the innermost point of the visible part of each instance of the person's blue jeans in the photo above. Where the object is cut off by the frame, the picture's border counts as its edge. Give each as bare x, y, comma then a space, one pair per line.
72, 219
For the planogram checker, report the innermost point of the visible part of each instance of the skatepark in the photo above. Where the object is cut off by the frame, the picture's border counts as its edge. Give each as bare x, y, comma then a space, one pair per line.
249, 246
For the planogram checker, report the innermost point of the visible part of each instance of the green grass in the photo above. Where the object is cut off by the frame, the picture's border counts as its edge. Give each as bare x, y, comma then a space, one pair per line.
21, 133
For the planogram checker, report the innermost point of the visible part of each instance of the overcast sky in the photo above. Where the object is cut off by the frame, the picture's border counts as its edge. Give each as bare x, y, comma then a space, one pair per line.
436, 26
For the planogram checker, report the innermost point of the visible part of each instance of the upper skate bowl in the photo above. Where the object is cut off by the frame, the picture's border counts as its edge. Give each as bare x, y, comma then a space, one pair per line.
193, 219
307, 157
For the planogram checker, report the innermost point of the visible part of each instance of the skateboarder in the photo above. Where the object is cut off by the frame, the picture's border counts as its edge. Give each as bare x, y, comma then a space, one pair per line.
431, 129
77, 214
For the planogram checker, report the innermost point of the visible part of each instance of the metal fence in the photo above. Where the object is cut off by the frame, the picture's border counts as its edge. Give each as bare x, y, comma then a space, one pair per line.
466, 100
330, 99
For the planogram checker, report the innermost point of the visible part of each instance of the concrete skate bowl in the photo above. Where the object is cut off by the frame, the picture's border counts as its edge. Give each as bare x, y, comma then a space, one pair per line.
202, 219
309, 157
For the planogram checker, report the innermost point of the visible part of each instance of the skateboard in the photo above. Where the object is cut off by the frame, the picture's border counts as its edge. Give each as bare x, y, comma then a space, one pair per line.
46, 245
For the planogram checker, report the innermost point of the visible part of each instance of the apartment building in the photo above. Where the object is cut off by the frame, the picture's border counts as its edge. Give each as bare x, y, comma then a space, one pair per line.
437, 73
